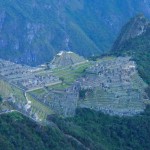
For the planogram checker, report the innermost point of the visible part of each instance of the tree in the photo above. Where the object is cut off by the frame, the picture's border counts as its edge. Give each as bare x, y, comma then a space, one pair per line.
0, 99
47, 66
62, 79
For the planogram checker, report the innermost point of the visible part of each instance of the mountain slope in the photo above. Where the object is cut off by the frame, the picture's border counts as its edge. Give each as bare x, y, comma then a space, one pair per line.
18, 132
32, 32
134, 41
87, 129
111, 85
64, 59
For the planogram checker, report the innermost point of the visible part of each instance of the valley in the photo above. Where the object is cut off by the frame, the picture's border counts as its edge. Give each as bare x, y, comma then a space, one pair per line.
92, 95
33, 31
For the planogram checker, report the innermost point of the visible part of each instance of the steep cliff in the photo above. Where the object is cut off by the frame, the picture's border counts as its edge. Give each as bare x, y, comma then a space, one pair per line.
32, 32
134, 41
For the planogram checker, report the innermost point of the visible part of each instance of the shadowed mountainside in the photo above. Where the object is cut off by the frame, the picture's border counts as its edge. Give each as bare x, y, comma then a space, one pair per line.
32, 32
134, 41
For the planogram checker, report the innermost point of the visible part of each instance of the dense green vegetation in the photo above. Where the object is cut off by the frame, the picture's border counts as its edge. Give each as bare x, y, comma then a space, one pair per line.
69, 74
94, 130
98, 131
139, 49
134, 42
20, 133
0, 98
82, 93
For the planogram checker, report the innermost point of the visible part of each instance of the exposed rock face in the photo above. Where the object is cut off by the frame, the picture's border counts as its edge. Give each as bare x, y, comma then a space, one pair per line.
134, 28
65, 58
32, 32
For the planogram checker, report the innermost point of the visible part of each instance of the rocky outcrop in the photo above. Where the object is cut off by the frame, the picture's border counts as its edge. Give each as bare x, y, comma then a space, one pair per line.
134, 28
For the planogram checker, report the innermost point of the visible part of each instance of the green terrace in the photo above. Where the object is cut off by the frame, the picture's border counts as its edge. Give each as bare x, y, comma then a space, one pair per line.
39, 108
70, 74
67, 75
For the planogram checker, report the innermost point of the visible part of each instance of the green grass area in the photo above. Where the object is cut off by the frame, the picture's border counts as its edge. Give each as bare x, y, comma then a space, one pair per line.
137, 83
106, 58
8, 90
58, 86
39, 108
19, 95
70, 74
38, 92
5, 89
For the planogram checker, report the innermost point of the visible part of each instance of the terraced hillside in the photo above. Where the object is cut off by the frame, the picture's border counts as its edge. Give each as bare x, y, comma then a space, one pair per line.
114, 86
110, 84
64, 59
29, 90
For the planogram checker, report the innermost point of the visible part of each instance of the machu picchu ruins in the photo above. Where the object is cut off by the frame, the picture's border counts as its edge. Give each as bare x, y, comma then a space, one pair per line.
110, 84
64, 58
116, 87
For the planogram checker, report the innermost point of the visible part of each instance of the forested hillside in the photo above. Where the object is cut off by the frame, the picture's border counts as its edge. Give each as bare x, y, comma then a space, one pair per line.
138, 46
33, 31
87, 130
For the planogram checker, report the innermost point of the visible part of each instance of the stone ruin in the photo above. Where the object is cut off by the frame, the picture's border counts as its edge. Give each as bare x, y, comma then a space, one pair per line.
112, 86
64, 58
116, 87
25, 77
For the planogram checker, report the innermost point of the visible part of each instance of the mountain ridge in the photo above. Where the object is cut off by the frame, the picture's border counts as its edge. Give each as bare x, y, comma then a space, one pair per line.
137, 47
135, 28
111, 85
32, 32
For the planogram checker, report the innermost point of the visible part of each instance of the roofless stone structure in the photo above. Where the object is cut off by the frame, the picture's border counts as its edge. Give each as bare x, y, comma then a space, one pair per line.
66, 58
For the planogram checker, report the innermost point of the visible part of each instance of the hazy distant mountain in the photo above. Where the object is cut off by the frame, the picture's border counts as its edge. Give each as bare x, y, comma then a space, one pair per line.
33, 31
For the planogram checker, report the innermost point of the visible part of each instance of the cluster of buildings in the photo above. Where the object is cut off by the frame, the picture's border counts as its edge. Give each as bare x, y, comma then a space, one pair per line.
116, 87
110, 85
25, 77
